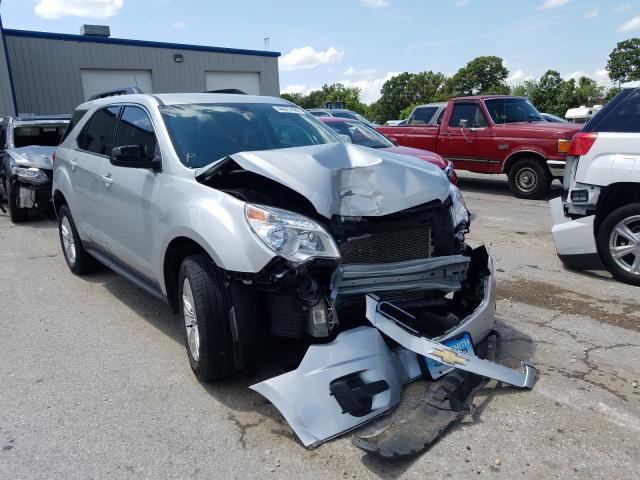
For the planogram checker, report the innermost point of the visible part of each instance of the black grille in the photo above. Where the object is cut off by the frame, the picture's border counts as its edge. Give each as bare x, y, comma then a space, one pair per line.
389, 247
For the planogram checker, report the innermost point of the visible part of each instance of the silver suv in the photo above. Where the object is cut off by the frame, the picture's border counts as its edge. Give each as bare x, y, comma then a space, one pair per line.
254, 221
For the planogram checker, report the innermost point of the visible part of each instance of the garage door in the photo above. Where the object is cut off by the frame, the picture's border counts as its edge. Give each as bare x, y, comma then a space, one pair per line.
101, 80
248, 82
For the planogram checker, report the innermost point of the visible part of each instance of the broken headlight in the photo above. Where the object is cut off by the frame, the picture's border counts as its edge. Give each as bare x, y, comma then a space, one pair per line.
31, 175
289, 234
458, 209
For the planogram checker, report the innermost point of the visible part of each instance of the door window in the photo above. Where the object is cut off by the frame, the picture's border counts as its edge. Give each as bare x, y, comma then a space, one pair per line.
467, 111
135, 128
422, 116
97, 135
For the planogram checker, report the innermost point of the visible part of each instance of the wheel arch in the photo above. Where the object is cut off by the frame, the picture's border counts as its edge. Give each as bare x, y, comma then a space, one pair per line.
58, 200
520, 155
177, 250
613, 197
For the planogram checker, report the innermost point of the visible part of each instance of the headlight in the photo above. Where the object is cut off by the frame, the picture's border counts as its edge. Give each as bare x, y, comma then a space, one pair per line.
459, 212
289, 234
31, 175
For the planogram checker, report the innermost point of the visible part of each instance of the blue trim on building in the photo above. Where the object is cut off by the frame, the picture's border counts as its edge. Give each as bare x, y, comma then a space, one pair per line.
6, 54
135, 43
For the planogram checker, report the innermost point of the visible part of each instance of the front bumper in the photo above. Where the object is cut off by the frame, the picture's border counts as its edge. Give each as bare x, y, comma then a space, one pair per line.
556, 167
360, 375
32, 196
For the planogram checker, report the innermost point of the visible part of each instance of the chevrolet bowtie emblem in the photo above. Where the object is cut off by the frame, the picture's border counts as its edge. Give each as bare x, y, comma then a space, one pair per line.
447, 356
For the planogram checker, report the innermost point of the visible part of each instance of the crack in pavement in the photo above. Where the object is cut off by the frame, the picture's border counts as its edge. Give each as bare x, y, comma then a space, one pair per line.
243, 427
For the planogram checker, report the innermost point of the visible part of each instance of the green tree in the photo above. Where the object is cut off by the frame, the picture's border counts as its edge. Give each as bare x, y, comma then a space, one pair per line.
545, 96
588, 92
482, 75
527, 89
624, 61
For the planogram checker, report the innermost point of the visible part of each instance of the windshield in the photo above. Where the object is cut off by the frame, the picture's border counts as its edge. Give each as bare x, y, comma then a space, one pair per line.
204, 133
361, 134
41, 135
512, 110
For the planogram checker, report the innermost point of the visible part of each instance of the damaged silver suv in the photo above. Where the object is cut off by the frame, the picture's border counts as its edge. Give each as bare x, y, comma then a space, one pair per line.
254, 221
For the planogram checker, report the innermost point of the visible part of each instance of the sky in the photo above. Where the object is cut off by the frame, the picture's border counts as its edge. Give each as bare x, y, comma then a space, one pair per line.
363, 43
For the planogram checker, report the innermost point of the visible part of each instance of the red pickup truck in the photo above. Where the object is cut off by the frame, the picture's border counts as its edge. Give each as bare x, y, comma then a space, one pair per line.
495, 134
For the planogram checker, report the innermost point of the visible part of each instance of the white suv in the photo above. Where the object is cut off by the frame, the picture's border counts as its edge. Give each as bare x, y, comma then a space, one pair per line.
603, 179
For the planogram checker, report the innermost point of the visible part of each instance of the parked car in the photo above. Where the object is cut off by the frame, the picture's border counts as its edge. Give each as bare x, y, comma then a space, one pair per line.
603, 203
428, 114
252, 219
362, 134
549, 117
495, 134
26, 148
338, 112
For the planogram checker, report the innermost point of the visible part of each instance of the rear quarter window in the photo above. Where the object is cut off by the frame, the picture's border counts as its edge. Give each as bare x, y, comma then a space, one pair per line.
623, 116
75, 119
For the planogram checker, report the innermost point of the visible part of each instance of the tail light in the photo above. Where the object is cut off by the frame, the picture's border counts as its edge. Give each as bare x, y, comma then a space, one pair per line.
582, 143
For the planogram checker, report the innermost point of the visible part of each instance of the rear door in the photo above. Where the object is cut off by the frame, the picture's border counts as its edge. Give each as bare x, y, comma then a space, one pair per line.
467, 147
131, 195
86, 166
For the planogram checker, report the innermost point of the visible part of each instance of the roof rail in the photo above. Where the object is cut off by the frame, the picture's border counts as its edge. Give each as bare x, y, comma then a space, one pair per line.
116, 92
233, 91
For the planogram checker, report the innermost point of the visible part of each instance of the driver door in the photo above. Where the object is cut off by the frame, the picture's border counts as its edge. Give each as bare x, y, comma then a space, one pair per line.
468, 147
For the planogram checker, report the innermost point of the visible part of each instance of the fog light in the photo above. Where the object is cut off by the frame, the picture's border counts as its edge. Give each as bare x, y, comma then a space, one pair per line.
579, 196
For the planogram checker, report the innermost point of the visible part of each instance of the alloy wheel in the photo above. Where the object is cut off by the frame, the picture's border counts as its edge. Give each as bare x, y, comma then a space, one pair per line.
190, 320
68, 242
624, 244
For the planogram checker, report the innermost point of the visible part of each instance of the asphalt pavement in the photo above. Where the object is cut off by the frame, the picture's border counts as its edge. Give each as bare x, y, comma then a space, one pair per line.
95, 382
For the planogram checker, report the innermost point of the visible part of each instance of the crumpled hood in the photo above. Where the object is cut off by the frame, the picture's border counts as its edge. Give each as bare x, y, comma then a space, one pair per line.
346, 179
33, 156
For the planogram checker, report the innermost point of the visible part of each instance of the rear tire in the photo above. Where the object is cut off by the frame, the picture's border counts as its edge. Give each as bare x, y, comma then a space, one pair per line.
16, 213
204, 305
619, 243
530, 178
78, 260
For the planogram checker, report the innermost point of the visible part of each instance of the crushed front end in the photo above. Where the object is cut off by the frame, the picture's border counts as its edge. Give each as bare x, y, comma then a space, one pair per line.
372, 274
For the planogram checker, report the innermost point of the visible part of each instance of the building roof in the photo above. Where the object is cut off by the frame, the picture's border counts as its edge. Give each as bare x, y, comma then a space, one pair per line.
134, 43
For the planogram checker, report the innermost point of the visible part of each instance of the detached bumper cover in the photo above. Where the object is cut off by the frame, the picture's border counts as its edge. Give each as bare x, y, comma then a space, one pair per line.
343, 384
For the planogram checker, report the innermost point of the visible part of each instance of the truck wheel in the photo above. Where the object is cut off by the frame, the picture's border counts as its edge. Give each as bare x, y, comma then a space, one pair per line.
78, 260
16, 213
204, 306
529, 178
619, 243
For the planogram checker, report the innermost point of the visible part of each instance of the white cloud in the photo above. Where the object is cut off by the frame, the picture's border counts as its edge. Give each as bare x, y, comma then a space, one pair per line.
365, 72
369, 88
375, 3
592, 13
518, 77
549, 4
601, 76
295, 88
461, 3
51, 9
178, 24
308, 57
633, 24
623, 7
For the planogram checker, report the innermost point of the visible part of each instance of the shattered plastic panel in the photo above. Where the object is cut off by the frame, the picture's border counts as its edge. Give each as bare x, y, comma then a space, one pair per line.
345, 179
33, 156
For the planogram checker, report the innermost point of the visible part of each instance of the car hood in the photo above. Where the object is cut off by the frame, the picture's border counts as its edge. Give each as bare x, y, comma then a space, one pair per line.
425, 155
345, 179
539, 129
33, 156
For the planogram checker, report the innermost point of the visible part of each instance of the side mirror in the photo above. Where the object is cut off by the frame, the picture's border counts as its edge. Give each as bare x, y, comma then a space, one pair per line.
345, 138
134, 156
464, 123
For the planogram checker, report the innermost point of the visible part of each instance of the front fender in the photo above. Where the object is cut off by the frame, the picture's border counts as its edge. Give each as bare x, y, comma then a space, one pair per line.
216, 221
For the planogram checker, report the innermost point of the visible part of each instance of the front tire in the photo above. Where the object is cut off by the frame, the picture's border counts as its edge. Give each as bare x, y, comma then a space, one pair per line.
530, 178
204, 307
619, 243
78, 260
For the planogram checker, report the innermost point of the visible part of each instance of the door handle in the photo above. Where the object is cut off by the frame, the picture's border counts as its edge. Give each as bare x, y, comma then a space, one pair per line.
446, 134
106, 178
73, 164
